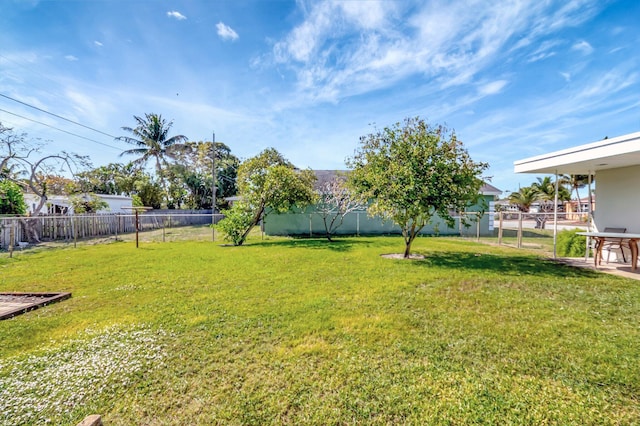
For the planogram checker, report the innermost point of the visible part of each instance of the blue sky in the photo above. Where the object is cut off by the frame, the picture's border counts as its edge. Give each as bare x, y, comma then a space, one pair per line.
514, 78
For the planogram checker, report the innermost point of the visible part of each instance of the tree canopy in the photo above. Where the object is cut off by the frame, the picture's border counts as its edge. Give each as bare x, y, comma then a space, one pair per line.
266, 181
412, 171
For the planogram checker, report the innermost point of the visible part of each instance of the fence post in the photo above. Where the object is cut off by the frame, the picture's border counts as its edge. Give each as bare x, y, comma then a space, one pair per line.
519, 229
357, 224
478, 218
500, 228
310, 226
12, 238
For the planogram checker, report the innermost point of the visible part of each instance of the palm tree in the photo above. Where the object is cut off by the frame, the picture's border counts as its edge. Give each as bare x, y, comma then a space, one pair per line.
523, 198
575, 182
153, 143
151, 137
545, 190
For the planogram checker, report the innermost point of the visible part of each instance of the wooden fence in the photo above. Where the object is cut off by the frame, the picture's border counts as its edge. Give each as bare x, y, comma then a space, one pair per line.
14, 230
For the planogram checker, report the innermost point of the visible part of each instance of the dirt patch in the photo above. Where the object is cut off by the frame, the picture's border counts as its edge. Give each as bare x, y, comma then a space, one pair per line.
401, 256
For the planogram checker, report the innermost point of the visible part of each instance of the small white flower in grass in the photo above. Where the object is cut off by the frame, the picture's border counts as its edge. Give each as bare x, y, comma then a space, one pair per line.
46, 387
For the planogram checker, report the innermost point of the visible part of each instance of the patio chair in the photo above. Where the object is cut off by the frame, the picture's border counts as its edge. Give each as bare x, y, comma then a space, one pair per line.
616, 244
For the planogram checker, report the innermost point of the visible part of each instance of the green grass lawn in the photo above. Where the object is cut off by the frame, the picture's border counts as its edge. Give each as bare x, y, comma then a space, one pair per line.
286, 331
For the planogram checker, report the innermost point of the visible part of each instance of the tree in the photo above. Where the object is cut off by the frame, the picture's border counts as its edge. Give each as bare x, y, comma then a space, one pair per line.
87, 203
413, 171
545, 189
23, 163
575, 182
11, 198
151, 136
335, 201
524, 198
191, 174
270, 181
119, 179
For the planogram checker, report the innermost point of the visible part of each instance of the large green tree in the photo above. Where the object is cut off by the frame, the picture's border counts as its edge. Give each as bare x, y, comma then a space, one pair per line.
191, 174
412, 171
153, 143
266, 181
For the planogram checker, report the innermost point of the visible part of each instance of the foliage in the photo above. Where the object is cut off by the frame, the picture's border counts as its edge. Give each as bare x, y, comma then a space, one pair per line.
22, 162
336, 200
151, 137
112, 179
413, 171
236, 221
524, 198
11, 198
87, 203
302, 332
268, 180
570, 244
191, 175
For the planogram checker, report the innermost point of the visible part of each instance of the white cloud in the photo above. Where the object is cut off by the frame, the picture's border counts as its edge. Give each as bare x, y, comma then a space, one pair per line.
566, 76
97, 43
492, 88
583, 47
226, 32
543, 51
342, 49
71, 58
176, 15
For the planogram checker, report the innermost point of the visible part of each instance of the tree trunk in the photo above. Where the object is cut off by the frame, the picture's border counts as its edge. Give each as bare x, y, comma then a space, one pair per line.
254, 222
407, 248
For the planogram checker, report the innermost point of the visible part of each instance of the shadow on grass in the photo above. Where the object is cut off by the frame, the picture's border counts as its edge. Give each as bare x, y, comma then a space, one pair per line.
508, 265
314, 243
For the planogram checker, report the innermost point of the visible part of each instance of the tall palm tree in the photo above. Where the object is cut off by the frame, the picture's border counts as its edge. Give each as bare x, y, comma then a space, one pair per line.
575, 182
151, 136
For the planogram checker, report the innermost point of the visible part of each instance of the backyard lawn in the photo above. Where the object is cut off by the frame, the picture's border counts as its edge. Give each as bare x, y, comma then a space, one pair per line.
286, 331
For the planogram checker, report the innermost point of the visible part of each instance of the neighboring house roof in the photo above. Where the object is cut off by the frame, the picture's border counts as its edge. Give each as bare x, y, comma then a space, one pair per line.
323, 176
488, 189
621, 151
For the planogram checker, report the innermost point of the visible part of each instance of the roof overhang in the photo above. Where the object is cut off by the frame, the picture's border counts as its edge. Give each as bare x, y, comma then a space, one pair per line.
621, 151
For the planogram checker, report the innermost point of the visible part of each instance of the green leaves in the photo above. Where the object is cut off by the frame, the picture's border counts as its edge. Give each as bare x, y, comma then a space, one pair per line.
413, 170
11, 198
267, 180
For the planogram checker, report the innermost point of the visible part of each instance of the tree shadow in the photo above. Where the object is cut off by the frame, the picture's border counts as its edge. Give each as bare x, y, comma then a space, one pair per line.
340, 245
505, 264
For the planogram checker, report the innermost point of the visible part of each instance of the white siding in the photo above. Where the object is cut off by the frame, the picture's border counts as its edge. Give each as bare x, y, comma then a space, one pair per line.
618, 192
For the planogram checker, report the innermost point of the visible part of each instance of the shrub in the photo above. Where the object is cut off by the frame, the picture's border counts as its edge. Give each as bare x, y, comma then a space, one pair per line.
570, 244
235, 223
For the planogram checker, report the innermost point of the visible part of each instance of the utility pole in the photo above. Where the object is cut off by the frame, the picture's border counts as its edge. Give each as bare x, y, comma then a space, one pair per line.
214, 188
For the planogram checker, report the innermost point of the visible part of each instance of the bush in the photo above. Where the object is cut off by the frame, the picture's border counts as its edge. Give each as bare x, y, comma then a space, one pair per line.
570, 244
11, 198
235, 223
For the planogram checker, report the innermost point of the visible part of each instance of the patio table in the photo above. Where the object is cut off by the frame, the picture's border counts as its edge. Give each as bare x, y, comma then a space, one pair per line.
601, 237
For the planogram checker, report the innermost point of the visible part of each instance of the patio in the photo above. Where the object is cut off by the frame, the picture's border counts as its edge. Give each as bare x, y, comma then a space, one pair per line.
613, 268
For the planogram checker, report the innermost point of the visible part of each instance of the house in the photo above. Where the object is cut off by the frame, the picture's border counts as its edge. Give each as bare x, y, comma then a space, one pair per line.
309, 221
615, 164
61, 204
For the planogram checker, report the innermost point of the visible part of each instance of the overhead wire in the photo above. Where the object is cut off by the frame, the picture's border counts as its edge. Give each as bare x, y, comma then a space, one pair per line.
61, 130
56, 115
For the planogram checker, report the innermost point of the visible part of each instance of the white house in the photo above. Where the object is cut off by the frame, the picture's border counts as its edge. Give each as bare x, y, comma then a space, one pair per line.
61, 204
615, 163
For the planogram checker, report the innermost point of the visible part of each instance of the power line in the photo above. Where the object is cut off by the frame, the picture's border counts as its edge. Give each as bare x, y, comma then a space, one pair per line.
61, 130
56, 115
